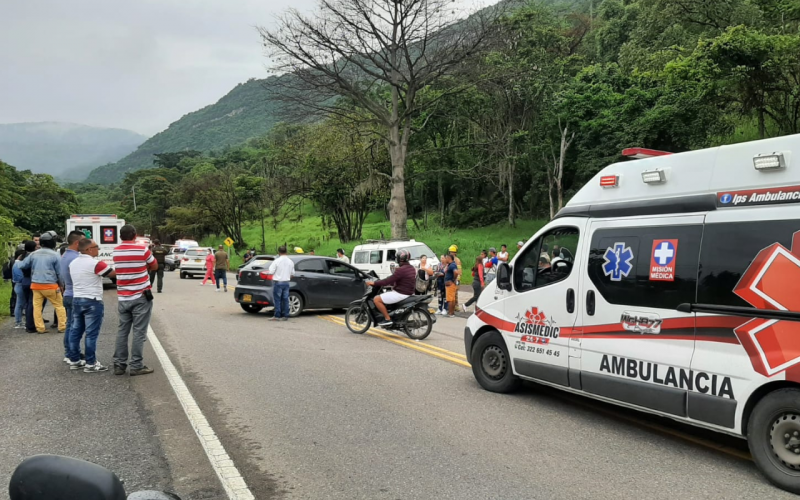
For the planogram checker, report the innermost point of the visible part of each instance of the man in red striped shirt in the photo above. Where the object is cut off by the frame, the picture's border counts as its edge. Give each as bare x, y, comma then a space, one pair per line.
132, 263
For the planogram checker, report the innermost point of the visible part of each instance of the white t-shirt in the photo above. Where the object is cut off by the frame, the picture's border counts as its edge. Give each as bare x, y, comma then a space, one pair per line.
282, 269
345, 258
503, 256
87, 277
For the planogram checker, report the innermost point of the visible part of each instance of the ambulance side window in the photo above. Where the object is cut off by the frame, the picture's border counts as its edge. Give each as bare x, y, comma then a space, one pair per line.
729, 249
646, 266
546, 261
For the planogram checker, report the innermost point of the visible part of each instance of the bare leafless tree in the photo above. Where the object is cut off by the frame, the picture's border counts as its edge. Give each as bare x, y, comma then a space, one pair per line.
377, 55
556, 173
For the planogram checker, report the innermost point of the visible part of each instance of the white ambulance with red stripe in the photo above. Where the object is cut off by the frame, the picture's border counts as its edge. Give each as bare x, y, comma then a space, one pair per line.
670, 285
103, 229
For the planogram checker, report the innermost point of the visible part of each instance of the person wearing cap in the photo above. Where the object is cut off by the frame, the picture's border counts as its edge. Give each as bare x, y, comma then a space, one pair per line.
520, 244
46, 281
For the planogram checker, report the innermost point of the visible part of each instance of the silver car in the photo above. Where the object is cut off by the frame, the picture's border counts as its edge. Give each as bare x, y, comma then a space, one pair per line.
193, 262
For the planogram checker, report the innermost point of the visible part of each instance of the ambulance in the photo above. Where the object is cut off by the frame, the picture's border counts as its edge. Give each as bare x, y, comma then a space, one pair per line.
103, 229
669, 285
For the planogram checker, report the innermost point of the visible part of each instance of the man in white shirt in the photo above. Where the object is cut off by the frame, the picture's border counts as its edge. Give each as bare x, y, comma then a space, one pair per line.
503, 255
87, 275
341, 256
281, 270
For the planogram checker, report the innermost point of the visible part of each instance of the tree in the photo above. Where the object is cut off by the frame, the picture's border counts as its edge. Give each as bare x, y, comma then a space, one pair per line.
378, 54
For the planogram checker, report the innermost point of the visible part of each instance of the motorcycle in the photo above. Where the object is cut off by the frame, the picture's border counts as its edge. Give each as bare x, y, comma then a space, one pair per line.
410, 316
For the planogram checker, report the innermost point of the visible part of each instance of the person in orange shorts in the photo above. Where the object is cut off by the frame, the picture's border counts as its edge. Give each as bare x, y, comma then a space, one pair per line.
450, 276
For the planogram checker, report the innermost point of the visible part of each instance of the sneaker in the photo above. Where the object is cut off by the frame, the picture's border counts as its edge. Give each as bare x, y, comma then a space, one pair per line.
386, 323
19, 325
141, 371
76, 365
118, 370
217, 290
159, 291
285, 318
96, 367
66, 359
451, 316
226, 289
274, 319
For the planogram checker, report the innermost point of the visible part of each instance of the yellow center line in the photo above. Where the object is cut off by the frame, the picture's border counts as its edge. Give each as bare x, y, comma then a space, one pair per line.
423, 348
586, 402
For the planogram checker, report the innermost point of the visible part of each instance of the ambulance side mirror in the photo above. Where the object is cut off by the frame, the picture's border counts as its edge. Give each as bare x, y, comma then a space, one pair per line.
504, 276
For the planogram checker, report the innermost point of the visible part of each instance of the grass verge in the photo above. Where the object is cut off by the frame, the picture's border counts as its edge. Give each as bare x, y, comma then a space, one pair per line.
309, 234
5, 298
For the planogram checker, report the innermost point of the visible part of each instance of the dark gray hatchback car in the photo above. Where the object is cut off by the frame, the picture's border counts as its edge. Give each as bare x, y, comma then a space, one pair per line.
318, 283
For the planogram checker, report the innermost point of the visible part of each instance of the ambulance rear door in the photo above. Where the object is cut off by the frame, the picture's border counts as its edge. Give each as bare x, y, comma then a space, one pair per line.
542, 306
635, 346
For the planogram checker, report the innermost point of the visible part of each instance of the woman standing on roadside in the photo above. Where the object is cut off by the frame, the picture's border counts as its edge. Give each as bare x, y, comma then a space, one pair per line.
477, 282
210, 261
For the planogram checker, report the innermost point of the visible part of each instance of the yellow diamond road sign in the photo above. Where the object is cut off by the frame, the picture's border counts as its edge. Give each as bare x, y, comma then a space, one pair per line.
229, 242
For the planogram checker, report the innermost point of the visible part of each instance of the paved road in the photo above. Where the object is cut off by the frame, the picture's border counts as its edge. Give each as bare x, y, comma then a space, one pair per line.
308, 410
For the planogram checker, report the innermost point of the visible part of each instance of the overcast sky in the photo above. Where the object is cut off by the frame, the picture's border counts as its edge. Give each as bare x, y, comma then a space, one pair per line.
134, 64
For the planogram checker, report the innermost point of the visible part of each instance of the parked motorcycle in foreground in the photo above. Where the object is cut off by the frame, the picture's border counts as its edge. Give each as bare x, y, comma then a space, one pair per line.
410, 316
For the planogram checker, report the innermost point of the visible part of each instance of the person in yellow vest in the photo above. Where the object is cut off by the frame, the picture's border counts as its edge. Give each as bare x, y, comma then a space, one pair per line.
454, 253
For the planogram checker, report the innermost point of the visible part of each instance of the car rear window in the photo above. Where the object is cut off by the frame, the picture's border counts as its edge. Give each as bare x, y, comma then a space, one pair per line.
195, 252
260, 262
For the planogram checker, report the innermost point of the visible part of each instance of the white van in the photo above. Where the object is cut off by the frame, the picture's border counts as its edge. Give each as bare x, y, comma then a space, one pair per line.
102, 228
379, 255
673, 287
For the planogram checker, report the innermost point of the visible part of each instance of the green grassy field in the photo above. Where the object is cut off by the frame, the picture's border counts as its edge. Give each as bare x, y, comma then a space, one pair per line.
5, 298
309, 235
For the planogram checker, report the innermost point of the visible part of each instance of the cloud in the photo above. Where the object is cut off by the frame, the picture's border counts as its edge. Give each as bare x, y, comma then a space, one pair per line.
133, 64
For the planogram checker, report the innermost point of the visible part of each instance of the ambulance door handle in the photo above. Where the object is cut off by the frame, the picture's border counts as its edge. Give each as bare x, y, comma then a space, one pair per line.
590, 302
570, 300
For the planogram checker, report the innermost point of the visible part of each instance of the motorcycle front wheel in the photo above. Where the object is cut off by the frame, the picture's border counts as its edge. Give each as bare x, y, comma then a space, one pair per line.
357, 318
419, 324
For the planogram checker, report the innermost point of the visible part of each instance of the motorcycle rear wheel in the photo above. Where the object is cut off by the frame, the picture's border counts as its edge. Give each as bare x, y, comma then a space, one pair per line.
358, 319
418, 324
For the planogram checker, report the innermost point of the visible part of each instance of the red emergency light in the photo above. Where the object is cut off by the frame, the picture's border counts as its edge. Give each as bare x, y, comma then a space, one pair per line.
639, 153
609, 181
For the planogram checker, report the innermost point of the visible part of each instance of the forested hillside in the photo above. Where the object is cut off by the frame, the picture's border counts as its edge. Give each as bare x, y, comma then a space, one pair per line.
555, 98
67, 151
245, 112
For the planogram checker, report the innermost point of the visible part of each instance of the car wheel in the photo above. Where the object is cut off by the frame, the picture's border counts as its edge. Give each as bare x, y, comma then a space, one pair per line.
183, 275
491, 364
252, 308
295, 304
773, 435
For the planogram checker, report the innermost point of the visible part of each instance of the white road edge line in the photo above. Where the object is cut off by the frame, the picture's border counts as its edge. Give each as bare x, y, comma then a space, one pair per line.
228, 474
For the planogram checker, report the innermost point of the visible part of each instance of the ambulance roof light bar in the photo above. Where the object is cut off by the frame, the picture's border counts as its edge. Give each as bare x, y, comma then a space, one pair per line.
769, 161
640, 153
93, 216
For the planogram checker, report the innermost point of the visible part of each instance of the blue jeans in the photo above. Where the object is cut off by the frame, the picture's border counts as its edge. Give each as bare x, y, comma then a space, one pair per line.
22, 302
87, 315
221, 275
67, 299
280, 295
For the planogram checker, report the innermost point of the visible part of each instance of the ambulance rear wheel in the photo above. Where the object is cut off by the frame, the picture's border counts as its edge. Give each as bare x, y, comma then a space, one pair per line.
491, 364
773, 435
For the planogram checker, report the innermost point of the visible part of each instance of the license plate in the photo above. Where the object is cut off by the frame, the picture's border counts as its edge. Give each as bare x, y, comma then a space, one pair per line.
198, 260
247, 298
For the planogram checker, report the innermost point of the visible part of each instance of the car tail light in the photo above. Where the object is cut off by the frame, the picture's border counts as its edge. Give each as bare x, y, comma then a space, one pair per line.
265, 276
185, 259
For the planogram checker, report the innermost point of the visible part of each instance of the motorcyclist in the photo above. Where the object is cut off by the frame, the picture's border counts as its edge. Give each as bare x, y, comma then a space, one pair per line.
403, 279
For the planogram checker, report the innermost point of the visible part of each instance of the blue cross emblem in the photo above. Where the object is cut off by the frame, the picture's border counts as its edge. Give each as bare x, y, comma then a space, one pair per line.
617, 261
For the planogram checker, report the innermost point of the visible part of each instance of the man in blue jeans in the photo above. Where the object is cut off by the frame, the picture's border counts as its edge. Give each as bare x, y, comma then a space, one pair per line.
87, 275
221, 267
281, 270
71, 253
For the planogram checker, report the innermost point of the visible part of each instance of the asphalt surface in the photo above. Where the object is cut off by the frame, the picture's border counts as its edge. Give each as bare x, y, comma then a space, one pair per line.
308, 410
133, 426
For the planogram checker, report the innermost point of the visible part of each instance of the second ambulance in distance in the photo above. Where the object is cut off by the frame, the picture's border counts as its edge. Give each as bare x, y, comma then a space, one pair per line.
670, 285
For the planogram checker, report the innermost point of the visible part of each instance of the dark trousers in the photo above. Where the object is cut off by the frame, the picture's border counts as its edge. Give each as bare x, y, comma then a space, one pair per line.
29, 324
221, 275
160, 273
13, 303
476, 290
